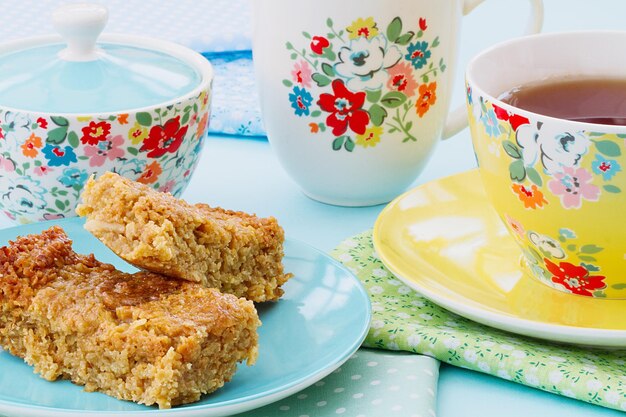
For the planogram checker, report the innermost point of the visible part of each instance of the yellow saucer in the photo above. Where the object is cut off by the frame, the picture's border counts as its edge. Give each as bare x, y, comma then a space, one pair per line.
444, 240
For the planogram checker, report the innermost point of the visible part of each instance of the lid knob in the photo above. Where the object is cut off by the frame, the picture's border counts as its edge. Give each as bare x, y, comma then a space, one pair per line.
80, 24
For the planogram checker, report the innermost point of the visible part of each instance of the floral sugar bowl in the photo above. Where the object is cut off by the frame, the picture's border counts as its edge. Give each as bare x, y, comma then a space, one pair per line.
80, 104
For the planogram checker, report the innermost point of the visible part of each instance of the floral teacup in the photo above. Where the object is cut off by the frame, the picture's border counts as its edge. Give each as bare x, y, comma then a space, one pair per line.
558, 185
355, 94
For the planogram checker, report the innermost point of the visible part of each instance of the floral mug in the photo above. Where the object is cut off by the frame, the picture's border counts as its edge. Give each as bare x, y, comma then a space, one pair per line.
354, 94
558, 185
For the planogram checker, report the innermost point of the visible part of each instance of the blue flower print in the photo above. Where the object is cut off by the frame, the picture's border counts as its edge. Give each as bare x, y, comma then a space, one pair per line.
605, 167
418, 54
26, 195
58, 156
490, 121
567, 233
300, 101
73, 177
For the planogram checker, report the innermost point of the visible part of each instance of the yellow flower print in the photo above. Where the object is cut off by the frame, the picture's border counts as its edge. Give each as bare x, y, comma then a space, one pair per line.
204, 98
371, 137
363, 27
137, 133
83, 118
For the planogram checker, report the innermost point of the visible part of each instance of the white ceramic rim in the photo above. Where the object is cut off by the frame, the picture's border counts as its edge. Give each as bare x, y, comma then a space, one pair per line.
519, 44
190, 57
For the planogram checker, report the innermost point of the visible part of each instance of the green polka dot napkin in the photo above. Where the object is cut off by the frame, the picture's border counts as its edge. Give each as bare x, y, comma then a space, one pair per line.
403, 320
370, 384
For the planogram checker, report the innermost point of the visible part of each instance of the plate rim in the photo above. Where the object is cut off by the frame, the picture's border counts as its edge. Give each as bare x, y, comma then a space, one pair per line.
611, 338
226, 408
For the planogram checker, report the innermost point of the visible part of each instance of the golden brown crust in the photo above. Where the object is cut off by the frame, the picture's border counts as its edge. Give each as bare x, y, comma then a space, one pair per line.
237, 253
139, 337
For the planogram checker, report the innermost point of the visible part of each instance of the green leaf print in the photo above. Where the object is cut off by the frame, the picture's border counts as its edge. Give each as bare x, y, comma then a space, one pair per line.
60, 121
72, 139
517, 171
377, 114
608, 148
534, 176
405, 39
590, 249
612, 189
511, 149
338, 143
394, 29
328, 69
57, 135
144, 118
320, 79
373, 95
393, 99
349, 145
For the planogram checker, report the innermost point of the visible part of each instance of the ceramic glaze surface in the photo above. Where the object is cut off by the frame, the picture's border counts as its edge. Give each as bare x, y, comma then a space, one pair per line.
45, 159
122, 78
444, 240
355, 95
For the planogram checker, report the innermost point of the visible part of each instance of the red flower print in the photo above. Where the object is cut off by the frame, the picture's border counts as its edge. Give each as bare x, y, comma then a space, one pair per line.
514, 119
43, 123
95, 132
345, 110
422, 23
1, 134
318, 44
575, 279
166, 138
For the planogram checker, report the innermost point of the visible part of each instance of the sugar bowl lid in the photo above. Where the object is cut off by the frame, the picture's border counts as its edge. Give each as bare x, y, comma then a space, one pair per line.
82, 72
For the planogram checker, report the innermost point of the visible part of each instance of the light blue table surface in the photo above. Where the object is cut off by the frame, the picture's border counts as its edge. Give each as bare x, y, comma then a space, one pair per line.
243, 174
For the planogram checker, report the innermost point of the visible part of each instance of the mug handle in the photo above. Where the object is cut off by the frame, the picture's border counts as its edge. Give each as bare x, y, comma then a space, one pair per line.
457, 118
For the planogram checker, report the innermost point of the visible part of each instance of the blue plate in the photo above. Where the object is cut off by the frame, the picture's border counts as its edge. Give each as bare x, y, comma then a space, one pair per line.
315, 327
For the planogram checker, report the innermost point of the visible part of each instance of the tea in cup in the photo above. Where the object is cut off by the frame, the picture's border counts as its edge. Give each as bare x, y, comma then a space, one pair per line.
548, 128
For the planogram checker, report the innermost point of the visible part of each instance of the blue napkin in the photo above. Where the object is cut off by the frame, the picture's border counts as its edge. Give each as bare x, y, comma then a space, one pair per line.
235, 109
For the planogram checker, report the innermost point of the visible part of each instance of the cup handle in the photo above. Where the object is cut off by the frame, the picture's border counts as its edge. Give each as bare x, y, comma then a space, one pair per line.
457, 118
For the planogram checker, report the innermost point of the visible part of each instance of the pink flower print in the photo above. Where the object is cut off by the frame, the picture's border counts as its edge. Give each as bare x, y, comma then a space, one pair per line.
573, 185
42, 170
515, 226
6, 164
301, 74
401, 79
105, 149
167, 187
